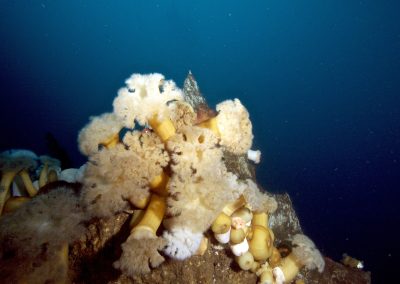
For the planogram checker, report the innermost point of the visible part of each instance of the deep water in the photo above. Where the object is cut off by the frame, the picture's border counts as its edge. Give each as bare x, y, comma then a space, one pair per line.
321, 80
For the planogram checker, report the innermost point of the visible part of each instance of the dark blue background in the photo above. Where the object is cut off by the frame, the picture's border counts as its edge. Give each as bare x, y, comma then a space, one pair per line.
321, 80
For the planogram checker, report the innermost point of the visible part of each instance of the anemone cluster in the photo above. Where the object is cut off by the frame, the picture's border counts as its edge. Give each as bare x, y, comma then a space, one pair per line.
161, 157
40, 216
23, 174
171, 172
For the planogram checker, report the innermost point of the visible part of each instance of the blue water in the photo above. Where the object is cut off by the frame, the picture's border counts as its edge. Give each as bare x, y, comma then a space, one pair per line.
321, 80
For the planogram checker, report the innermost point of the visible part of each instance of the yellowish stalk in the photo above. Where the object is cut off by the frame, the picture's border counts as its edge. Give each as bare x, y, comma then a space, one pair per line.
245, 261
142, 203
14, 203
275, 258
203, 247
256, 266
5, 183
136, 217
164, 129
26, 179
8, 195
147, 227
266, 275
244, 213
111, 142
290, 267
52, 176
212, 125
260, 244
222, 224
237, 236
232, 207
260, 219
63, 264
159, 184
43, 175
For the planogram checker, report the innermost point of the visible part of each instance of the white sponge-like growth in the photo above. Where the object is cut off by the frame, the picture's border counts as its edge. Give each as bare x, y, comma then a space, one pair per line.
306, 252
259, 200
234, 126
144, 97
181, 243
73, 175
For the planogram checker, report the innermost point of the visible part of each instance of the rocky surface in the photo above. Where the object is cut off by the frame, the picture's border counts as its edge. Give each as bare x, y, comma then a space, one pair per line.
91, 258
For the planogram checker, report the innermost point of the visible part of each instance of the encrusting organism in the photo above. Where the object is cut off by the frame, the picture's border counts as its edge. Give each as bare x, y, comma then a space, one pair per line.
36, 236
141, 250
259, 201
140, 256
352, 262
181, 114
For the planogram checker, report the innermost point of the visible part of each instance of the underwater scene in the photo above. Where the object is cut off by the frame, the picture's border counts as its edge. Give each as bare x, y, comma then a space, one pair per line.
199, 141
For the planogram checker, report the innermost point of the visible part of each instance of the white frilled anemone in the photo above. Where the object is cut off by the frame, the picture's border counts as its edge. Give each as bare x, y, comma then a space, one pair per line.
102, 130
145, 100
232, 125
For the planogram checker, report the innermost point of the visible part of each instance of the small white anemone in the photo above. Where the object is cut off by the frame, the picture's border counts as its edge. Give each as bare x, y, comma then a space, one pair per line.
254, 155
182, 243
279, 277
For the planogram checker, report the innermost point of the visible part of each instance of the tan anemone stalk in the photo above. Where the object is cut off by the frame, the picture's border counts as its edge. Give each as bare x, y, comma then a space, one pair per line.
14, 203
261, 243
48, 172
26, 179
164, 129
15, 162
151, 220
304, 254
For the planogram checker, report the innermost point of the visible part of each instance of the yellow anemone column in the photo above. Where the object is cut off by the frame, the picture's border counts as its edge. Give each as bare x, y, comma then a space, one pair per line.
43, 175
232, 207
147, 227
212, 125
14, 203
159, 184
6, 180
164, 129
111, 141
260, 243
52, 176
26, 179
